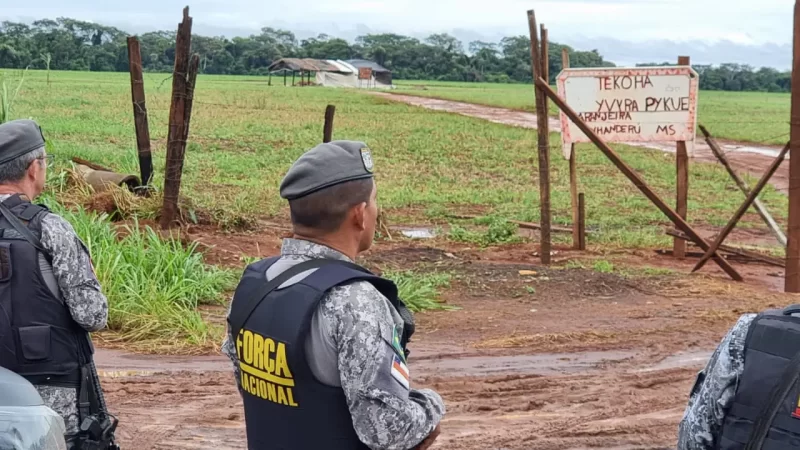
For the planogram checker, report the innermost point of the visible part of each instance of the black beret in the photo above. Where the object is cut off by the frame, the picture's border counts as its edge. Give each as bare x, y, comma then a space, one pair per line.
326, 165
19, 137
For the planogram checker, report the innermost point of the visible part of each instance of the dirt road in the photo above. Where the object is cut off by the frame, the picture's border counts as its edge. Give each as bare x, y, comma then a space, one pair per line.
747, 158
556, 359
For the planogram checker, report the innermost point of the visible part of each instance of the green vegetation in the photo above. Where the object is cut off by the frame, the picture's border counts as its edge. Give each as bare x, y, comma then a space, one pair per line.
758, 117
420, 290
153, 285
245, 134
498, 231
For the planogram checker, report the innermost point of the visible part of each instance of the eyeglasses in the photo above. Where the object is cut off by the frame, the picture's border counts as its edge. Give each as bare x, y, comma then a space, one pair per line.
48, 160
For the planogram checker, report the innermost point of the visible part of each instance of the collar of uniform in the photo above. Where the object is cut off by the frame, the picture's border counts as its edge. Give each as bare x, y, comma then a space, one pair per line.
301, 247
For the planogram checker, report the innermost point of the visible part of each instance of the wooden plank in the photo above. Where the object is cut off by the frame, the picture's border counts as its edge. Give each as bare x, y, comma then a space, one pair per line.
140, 111
771, 260
90, 164
634, 177
682, 182
327, 130
543, 132
759, 207
177, 124
743, 208
526, 225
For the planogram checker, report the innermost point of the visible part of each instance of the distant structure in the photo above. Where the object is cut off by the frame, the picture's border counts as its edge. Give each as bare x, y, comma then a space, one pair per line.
354, 73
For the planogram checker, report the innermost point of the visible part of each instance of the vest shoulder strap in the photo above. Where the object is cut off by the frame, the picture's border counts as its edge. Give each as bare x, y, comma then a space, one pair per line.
15, 223
241, 314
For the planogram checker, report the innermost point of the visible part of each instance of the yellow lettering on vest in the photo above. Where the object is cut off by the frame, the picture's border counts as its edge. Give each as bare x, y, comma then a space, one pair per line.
253, 385
291, 397
245, 381
258, 351
282, 368
248, 347
269, 362
282, 396
271, 393
262, 389
239, 345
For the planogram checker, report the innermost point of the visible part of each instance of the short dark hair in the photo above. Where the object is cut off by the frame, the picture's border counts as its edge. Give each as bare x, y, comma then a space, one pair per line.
326, 209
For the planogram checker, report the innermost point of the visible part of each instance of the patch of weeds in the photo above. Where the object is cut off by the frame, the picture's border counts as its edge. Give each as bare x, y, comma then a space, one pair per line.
498, 231
530, 290
603, 266
420, 291
153, 285
656, 271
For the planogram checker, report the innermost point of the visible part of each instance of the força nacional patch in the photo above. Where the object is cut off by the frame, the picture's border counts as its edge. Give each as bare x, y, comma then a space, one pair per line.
400, 372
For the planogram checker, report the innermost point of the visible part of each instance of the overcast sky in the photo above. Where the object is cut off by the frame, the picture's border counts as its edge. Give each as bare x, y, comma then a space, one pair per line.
626, 31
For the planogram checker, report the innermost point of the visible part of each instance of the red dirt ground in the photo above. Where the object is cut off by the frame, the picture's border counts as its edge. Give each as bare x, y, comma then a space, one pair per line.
563, 358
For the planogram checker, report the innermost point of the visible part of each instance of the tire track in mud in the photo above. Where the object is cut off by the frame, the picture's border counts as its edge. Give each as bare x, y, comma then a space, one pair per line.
748, 158
548, 401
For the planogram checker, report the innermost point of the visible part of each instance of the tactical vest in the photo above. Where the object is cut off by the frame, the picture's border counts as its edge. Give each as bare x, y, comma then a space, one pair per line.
39, 339
765, 413
285, 406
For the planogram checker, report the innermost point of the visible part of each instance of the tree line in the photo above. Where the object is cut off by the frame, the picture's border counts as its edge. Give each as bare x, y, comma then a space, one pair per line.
69, 44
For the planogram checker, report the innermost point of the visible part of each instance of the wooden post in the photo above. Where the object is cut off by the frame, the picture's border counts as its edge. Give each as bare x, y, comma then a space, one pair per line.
634, 177
743, 209
792, 277
573, 173
759, 207
293, 75
269, 82
176, 138
327, 131
284, 77
140, 111
543, 133
581, 223
682, 183
191, 81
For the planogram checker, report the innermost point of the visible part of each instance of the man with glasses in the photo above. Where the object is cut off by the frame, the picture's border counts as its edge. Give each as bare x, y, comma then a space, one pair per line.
49, 295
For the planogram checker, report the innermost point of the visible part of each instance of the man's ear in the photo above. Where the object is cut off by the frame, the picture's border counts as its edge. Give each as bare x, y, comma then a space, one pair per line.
358, 213
33, 169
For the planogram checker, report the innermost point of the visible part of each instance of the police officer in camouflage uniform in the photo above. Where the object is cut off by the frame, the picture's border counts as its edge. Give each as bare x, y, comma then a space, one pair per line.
318, 343
748, 395
49, 296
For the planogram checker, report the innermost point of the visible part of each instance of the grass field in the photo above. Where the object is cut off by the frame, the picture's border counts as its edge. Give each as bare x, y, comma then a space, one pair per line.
245, 135
758, 117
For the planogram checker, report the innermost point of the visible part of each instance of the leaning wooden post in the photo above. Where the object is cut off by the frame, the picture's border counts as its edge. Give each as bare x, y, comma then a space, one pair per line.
759, 207
327, 131
634, 177
543, 133
792, 277
682, 183
140, 111
743, 208
176, 138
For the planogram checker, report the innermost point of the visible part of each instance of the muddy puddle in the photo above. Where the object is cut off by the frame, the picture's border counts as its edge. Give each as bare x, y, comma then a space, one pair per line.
540, 364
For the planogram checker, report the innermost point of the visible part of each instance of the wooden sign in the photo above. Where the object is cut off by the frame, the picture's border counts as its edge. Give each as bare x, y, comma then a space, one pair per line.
365, 73
646, 104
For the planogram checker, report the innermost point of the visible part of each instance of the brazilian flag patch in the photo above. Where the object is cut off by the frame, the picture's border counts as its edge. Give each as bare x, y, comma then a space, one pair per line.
397, 346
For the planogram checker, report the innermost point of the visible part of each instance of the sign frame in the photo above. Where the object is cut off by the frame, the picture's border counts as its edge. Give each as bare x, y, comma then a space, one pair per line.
687, 129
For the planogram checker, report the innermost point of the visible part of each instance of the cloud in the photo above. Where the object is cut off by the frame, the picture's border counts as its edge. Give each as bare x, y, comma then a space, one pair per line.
629, 28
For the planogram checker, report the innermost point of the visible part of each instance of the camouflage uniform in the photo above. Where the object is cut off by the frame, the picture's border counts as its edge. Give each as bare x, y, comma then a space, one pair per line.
714, 390
78, 287
345, 349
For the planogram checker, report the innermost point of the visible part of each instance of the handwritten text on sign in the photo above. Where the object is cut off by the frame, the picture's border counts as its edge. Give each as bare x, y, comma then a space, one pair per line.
648, 104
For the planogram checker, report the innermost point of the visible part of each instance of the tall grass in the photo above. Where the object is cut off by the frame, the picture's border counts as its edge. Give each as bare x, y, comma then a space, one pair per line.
153, 285
7, 97
418, 290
